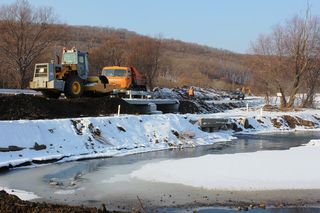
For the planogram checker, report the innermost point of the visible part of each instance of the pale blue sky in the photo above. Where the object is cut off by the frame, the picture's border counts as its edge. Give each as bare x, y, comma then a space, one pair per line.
226, 24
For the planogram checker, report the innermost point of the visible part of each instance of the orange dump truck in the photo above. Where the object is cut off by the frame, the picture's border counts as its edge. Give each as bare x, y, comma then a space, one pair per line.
125, 77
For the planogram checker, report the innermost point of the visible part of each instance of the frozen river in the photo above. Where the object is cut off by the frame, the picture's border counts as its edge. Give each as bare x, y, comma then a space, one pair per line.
108, 180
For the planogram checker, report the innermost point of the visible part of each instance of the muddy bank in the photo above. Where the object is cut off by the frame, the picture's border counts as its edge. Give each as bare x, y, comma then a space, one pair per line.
244, 201
160, 195
241, 201
36, 107
11, 203
15, 107
196, 106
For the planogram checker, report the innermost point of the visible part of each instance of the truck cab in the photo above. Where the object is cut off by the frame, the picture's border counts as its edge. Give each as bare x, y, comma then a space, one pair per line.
120, 76
125, 77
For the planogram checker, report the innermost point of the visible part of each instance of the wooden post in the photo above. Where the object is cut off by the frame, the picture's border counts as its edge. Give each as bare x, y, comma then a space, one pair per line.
119, 107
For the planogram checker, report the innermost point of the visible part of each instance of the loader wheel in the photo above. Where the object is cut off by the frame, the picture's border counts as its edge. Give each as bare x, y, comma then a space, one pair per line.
51, 94
73, 87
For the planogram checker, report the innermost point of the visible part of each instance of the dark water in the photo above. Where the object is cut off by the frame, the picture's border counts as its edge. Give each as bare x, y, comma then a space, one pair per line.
244, 143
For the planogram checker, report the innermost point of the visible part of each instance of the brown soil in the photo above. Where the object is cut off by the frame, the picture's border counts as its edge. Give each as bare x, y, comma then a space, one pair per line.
36, 107
11, 203
296, 121
291, 121
305, 122
188, 107
276, 123
270, 108
193, 105
15, 107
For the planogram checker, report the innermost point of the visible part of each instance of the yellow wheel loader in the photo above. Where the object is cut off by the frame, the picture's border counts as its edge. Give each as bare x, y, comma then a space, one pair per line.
70, 77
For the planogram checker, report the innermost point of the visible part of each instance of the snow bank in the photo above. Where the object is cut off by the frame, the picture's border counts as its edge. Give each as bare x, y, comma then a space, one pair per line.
296, 168
273, 122
254, 121
23, 195
44, 141
30, 142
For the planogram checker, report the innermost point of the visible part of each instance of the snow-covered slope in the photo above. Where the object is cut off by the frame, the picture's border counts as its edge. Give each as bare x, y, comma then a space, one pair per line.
40, 141
29, 142
296, 168
256, 121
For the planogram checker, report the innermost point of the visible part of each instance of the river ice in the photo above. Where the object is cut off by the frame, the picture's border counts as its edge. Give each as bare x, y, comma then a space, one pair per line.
296, 168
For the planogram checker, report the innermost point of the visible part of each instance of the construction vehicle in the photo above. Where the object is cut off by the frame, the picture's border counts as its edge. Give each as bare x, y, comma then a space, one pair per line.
124, 78
237, 95
52, 79
70, 77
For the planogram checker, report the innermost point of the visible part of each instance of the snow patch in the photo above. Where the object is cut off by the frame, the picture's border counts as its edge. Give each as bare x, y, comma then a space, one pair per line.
296, 168
315, 143
23, 195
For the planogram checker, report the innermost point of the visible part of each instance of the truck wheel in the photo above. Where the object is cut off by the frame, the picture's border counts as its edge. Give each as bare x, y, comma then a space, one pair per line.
73, 87
51, 94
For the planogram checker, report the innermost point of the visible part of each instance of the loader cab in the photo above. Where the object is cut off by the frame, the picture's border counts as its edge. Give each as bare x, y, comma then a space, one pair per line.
44, 77
44, 72
77, 61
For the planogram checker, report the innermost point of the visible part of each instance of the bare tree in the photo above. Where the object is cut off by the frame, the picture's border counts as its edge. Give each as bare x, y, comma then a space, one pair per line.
311, 81
145, 54
273, 62
111, 52
288, 53
25, 32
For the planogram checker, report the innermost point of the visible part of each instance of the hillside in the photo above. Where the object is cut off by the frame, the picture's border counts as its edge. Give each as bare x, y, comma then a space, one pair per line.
180, 63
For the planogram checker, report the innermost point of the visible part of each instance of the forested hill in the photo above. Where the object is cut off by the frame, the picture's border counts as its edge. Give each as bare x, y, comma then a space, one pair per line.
166, 62
181, 63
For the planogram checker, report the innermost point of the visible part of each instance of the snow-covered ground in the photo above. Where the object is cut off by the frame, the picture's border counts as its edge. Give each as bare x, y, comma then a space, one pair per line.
276, 100
26, 142
38, 141
19, 91
34, 142
23, 195
296, 168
